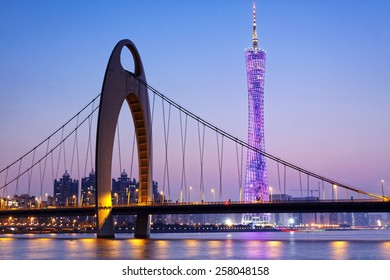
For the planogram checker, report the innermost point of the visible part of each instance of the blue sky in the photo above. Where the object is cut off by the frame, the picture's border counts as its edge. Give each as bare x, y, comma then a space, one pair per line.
327, 84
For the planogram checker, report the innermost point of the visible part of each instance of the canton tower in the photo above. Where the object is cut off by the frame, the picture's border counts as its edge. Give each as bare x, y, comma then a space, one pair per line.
256, 181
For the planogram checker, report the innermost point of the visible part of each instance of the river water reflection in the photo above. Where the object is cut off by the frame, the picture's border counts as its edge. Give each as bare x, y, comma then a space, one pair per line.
334, 245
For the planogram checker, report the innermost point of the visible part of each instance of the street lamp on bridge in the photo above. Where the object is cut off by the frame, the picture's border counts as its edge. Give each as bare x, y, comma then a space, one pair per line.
162, 197
270, 193
213, 192
189, 194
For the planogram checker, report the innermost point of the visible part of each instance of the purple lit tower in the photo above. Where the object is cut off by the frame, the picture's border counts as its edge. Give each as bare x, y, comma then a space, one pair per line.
256, 184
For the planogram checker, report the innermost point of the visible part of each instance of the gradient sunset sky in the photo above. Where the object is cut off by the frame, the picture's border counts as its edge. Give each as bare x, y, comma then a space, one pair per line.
327, 82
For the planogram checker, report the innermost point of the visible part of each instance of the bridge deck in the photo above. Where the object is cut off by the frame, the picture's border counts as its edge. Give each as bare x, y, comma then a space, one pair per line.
209, 208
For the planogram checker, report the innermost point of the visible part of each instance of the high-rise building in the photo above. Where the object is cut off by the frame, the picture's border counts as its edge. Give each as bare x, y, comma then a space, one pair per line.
88, 189
256, 184
124, 190
66, 191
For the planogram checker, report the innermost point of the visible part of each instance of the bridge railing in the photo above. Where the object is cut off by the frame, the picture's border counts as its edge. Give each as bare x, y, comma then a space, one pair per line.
222, 203
229, 202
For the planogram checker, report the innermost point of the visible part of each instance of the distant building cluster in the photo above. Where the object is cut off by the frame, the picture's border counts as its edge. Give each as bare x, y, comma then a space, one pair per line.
66, 193
324, 219
125, 191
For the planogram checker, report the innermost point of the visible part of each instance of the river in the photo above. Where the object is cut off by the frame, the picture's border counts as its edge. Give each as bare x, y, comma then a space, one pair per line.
323, 245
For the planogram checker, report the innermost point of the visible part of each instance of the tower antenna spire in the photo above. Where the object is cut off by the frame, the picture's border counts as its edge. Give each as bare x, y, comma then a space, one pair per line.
254, 39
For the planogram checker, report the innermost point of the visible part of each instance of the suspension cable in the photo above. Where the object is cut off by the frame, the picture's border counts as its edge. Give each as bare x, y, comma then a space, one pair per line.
132, 157
59, 153
17, 181
183, 149
5, 193
51, 135
30, 174
89, 144
119, 147
166, 136
280, 188
245, 144
42, 175
201, 154
300, 183
51, 152
90, 129
308, 185
64, 156
52, 166
74, 147
239, 170
285, 179
154, 99
220, 161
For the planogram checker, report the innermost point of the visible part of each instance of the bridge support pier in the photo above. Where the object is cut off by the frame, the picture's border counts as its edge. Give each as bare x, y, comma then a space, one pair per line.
106, 228
142, 226
121, 85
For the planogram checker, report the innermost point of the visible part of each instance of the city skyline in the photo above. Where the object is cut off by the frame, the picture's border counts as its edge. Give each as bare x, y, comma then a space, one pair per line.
326, 83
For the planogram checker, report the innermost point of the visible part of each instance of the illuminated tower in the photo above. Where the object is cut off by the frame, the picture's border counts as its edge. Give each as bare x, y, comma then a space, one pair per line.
256, 184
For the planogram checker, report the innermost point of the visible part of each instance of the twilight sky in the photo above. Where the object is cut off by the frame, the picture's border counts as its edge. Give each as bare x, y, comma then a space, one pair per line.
327, 82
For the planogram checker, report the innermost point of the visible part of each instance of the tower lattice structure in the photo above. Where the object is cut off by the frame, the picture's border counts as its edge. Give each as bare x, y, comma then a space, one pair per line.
256, 181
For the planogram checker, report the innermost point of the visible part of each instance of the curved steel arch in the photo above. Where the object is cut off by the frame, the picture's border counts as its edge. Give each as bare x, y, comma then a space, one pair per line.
120, 85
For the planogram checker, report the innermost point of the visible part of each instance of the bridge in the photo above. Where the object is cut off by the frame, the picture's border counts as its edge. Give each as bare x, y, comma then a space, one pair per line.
179, 148
208, 207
